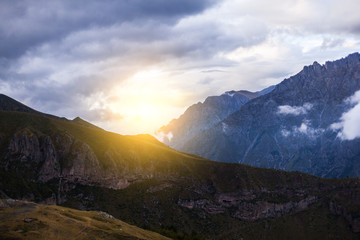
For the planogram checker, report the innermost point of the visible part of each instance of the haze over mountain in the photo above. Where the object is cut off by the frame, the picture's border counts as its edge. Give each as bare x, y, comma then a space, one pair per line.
308, 123
144, 182
202, 116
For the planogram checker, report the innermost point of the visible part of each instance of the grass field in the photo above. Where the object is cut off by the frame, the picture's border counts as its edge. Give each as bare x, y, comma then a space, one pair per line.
26, 220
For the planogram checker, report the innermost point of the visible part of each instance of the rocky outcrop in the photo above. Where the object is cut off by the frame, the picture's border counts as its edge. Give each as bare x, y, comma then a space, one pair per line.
82, 163
204, 204
26, 145
292, 127
353, 220
50, 167
252, 205
36, 153
65, 158
263, 209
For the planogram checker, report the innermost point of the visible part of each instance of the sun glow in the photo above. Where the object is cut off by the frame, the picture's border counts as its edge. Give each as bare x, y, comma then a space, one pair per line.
145, 101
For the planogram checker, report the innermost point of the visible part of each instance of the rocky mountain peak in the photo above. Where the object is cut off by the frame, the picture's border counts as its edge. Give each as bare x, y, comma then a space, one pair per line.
349, 62
82, 122
202, 116
332, 81
291, 127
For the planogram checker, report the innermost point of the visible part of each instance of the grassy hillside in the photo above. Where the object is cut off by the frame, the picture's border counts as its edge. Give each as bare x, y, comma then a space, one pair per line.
145, 146
26, 220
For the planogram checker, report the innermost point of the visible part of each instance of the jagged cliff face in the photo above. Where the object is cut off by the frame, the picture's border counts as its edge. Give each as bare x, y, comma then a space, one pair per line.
202, 116
292, 128
43, 158
54, 155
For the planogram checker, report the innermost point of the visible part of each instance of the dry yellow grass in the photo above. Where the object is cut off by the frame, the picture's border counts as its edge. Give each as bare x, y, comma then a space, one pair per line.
26, 220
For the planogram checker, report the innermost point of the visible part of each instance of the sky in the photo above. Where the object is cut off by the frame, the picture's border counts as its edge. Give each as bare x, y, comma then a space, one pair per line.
130, 66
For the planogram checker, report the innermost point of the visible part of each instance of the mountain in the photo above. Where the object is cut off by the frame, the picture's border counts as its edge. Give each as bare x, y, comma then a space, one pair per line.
82, 122
9, 104
298, 126
202, 116
146, 183
27, 220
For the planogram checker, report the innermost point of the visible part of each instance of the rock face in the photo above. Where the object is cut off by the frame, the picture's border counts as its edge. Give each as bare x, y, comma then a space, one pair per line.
43, 158
354, 221
43, 161
202, 116
249, 210
294, 127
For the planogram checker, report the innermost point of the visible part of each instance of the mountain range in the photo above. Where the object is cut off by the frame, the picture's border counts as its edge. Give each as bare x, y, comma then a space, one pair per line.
306, 123
203, 116
72, 163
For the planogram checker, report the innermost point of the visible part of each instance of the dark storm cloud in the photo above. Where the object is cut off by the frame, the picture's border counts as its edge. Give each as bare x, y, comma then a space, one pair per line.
25, 24
41, 38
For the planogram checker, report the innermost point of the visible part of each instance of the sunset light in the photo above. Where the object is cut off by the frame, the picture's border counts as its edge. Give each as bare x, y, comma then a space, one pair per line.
144, 102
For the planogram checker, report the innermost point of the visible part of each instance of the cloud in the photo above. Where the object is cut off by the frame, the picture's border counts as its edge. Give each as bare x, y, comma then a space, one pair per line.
61, 56
102, 114
331, 43
349, 125
76, 56
285, 132
165, 138
294, 110
308, 16
304, 129
27, 24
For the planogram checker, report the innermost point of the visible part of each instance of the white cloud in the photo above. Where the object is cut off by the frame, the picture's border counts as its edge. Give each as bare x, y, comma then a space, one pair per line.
304, 129
165, 138
285, 132
294, 110
349, 125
